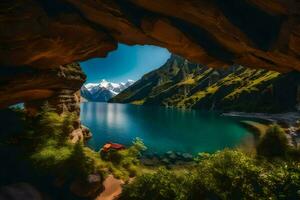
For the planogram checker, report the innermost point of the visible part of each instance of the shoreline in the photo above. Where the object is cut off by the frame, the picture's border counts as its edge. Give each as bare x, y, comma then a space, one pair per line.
289, 121
288, 118
257, 129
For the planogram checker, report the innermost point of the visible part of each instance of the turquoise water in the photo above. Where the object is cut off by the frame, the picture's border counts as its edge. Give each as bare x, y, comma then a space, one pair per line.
162, 129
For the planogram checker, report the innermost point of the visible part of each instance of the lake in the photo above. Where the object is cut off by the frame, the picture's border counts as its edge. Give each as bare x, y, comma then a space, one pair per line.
162, 129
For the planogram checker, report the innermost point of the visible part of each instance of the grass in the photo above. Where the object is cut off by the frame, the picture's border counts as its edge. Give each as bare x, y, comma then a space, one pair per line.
198, 96
188, 81
203, 75
138, 102
251, 85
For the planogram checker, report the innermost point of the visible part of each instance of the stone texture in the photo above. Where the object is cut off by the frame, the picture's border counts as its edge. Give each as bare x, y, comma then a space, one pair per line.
63, 83
37, 37
58, 85
88, 188
18, 191
81, 133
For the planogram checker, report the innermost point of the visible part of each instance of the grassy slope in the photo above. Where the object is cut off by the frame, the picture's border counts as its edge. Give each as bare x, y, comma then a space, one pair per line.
182, 84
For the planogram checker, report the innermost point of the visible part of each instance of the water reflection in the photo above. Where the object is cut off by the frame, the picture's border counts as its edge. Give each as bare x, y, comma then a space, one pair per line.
162, 129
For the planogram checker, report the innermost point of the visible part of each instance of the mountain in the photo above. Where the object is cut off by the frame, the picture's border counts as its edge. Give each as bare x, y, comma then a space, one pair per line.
184, 84
103, 91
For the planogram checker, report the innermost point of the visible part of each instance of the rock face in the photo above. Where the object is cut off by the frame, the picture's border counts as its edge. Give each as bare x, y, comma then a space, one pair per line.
57, 85
49, 33
23, 191
90, 187
63, 85
37, 37
184, 84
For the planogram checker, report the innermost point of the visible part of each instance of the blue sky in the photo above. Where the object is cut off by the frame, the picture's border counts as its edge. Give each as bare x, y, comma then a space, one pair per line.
127, 62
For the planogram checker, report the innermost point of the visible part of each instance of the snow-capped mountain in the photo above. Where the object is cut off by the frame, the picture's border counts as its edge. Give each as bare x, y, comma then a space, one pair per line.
103, 91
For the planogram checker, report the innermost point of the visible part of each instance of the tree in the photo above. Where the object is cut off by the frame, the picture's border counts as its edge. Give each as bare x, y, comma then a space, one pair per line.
274, 143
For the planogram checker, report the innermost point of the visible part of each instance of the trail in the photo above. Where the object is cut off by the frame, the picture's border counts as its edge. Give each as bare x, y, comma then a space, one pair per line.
113, 188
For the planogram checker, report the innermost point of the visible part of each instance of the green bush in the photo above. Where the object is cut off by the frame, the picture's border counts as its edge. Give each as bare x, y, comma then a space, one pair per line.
162, 185
54, 154
137, 147
125, 162
229, 175
226, 174
274, 143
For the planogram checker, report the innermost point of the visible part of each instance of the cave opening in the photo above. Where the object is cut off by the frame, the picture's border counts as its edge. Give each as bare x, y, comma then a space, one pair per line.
186, 112
126, 62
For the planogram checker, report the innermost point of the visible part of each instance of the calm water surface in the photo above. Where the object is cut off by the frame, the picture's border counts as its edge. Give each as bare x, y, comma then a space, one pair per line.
162, 129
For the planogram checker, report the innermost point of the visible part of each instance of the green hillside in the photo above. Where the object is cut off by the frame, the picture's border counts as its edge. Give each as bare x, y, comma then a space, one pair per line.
183, 84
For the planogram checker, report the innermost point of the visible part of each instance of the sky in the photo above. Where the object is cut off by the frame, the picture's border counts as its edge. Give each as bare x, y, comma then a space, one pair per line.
127, 62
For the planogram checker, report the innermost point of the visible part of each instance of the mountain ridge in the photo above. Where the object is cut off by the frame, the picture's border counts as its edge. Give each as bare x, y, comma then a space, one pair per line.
181, 83
103, 91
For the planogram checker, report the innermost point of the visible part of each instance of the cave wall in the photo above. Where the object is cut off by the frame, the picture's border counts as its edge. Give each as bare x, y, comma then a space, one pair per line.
56, 85
37, 37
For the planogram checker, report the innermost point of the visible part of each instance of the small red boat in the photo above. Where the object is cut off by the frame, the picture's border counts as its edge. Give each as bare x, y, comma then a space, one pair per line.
110, 145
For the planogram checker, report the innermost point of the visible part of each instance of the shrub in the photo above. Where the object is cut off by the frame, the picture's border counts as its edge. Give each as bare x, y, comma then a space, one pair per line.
232, 174
282, 179
53, 149
137, 147
226, 174
80, 163
274, 143
162, 185
125, 162
54, 154
229, 175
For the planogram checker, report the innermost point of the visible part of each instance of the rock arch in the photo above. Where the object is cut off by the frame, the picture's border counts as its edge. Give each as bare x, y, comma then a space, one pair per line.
42, 36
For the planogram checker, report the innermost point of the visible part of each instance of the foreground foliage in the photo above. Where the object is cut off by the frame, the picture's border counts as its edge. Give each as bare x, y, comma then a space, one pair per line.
49, 150
228, 174
52, 152
55, 154
125, 163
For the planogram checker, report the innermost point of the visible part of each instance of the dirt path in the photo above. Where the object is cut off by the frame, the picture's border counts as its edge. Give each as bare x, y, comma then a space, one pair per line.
113, 188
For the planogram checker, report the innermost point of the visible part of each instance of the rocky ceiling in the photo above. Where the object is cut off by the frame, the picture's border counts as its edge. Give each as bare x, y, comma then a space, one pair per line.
41, 35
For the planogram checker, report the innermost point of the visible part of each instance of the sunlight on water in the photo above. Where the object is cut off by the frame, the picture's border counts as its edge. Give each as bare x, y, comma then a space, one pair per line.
162, 129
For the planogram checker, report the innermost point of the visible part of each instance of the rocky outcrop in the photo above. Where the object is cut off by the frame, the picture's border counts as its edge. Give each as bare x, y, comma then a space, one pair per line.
81, 133
39, 36
64, 84
33, 86
89, 187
